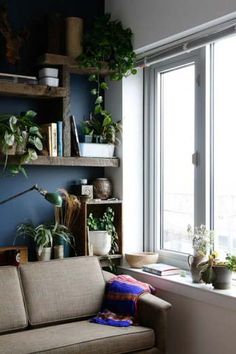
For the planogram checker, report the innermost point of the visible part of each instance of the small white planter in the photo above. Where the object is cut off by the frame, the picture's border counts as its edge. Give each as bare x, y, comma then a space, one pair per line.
96, 150
100, 242
45, 255
48, 72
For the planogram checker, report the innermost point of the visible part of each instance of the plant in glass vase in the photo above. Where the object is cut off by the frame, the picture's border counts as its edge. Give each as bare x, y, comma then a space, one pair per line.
203, 243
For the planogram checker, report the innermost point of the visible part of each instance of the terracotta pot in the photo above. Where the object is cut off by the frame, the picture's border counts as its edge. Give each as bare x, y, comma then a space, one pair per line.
193, 262
102, 188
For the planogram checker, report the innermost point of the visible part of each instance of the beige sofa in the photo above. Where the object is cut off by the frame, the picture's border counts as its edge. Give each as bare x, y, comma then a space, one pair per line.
45, 308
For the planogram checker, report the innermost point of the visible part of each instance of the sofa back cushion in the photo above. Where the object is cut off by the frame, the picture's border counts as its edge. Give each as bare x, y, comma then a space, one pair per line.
62, 290
12, 310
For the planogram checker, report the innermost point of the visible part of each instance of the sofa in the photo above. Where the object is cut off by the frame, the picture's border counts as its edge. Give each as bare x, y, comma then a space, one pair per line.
45, 308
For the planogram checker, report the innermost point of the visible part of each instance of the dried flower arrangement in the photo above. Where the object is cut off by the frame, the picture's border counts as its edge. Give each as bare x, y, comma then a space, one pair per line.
68, 214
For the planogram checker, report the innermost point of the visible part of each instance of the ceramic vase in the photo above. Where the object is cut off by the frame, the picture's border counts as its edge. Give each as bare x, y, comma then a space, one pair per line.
74, 33
102, 188
100, 242
45, 255
193, 262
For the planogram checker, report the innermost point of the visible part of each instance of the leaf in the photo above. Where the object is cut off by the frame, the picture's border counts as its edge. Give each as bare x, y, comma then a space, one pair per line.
9, 138
12, 123
107, 121
99, 100
104, 86
38, 143
92, 77
33, 130
30, 114
93, 92
97, 109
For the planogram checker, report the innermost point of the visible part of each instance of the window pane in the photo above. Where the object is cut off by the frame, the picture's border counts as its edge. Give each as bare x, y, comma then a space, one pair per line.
225, 145
177, 187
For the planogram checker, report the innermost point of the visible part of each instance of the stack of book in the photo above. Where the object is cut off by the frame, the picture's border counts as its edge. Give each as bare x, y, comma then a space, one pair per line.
161, 269
52, 133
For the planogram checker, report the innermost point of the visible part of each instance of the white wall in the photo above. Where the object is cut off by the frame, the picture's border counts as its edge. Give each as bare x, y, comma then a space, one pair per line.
155, 20
128, 178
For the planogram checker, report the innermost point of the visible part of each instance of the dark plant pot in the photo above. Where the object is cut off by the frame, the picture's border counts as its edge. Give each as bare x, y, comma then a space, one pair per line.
222, 277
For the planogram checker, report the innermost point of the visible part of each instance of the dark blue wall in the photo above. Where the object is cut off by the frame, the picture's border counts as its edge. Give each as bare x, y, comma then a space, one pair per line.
32, 206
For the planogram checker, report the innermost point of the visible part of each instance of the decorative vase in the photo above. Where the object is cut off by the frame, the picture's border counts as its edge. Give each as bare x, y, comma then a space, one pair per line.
102, 188
100, 242
45, 255
222, 277
193, 262
74, 32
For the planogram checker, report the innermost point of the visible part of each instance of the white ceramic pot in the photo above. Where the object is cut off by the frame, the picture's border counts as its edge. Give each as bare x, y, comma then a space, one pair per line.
97, 150
45, 255
100, 242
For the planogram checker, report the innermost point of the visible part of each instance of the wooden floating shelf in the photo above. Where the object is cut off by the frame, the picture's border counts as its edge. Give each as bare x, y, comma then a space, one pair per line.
69, 161
106, 201
112, 256
29, 90
56, 59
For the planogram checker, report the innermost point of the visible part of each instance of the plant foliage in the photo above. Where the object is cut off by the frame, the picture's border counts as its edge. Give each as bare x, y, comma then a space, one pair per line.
105, 223
106, 42
19, 131
44, 234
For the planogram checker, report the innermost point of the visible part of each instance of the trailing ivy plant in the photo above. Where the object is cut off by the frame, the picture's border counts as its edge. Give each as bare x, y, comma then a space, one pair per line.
107, 44
22, 133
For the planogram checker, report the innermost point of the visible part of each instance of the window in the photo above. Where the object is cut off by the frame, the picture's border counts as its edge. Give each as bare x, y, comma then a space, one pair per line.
190, 147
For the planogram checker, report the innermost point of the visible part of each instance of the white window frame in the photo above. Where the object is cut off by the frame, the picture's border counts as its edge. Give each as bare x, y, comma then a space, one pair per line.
152, 152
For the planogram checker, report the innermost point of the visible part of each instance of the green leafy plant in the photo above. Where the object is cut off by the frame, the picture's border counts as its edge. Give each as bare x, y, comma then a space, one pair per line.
107, 130
107, 41
22, 133
105, 223
44, 234
207, 268
107, 44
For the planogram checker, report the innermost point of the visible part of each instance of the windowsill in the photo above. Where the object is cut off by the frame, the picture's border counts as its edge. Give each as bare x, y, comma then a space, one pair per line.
182, 285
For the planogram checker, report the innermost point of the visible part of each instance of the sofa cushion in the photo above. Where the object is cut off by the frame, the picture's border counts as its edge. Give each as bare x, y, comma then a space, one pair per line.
78, 337
12, 310
62, 290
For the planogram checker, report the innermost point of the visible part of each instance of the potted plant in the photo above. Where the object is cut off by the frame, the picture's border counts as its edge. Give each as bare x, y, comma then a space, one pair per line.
106, 42
102, 233
202, 242
21, 136
216, 272
43, 236
105, 134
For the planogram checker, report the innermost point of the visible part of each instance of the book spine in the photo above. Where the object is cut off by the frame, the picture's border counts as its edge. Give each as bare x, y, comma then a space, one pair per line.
75, 136
59, 139
54, 139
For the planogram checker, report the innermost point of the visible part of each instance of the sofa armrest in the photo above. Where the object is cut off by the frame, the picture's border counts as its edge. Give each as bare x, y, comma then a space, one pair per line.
152, 312
107, 275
